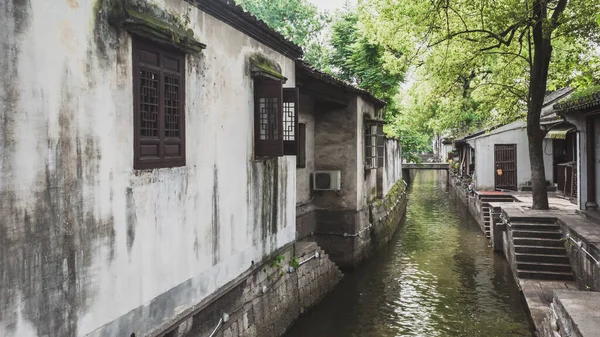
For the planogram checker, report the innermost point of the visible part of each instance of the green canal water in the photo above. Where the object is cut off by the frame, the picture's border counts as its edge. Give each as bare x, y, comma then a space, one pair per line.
438, 277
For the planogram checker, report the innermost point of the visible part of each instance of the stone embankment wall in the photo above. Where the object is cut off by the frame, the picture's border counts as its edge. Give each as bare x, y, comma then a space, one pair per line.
472, 203
585, 269
572, 314
363, 232
267, 301
384, 217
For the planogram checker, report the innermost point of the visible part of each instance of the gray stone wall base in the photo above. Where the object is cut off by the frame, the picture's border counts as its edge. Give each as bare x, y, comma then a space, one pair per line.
350, 237
268, 301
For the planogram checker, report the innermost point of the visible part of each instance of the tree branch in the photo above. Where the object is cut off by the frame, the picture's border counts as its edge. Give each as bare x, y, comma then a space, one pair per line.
515, 92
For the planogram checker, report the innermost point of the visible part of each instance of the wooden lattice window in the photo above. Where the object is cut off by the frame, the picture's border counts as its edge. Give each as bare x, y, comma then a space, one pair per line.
301, 159
291, 98
374, 144
159, 106
268, 118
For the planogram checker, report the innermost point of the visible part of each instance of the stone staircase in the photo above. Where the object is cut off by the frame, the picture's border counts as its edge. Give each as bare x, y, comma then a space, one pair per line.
539, 252
317, 277
487, 219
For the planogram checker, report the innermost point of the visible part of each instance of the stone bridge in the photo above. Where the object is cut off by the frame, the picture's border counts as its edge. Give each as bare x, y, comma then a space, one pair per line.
426, 166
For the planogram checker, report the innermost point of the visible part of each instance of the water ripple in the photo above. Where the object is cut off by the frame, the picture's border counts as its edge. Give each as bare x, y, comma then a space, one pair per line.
438, 277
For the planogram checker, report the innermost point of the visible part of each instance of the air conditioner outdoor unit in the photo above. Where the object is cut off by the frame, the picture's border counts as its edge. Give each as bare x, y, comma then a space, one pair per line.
327, 180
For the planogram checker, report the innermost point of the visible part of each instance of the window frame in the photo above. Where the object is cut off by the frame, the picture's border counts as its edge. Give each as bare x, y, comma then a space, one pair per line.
161, 160
290, 96
272, 146
374, 155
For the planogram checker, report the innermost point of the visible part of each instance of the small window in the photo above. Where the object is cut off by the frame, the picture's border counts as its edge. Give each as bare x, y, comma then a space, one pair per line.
159, 107
290, 121
301, 159
268, 118
374, 144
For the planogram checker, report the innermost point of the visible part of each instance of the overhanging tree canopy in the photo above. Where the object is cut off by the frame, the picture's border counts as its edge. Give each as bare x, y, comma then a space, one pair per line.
493, 56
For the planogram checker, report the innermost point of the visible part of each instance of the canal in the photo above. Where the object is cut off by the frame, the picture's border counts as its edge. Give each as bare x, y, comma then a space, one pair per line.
438, 277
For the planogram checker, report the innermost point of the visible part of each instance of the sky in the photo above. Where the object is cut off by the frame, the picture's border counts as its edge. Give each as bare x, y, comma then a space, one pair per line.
329, 5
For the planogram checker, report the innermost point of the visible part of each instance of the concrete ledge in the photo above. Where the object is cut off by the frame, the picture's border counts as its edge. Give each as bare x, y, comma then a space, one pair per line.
426, 166
578, 312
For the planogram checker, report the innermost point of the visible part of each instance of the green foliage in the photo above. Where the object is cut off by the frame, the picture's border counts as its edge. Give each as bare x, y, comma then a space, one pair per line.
584, 92
297, 20
358, 59
276, 262
473, 59
294, 262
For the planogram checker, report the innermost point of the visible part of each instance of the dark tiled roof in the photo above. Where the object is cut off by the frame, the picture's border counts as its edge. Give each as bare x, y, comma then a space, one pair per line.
338, 82
583, 104
232, 14
549, 114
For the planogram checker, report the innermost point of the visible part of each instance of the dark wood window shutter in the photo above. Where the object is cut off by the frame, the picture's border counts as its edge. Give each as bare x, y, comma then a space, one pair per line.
291, 99
159, 106
380, 146
369, 146
301, 159
268, 118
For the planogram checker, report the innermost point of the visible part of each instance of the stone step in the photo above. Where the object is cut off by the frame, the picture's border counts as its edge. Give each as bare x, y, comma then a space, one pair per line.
544, 258
540, 250
535, 226
545, 275
522, 233
306, 248
540, 242
540, 266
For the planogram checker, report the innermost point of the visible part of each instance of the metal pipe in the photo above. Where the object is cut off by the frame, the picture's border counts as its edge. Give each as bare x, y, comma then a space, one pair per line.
216, 328
579, 244
346, 235
316, 255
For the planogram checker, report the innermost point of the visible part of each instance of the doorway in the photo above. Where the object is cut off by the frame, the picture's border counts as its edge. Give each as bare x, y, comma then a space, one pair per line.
505, 166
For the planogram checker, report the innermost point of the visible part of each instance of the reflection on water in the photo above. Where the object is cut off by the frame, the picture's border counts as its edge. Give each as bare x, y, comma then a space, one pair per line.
438, 277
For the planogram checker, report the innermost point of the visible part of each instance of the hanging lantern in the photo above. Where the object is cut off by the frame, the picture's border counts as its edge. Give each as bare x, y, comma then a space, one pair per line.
499, 171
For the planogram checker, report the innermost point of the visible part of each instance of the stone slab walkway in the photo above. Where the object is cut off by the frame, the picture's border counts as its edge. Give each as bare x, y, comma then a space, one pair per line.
538, 296
579, 312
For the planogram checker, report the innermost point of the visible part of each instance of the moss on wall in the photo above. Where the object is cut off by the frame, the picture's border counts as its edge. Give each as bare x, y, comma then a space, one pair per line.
147, 20
260, 65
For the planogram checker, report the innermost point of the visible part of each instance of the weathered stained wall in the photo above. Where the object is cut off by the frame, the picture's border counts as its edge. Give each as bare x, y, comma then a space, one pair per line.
303, 187
366, 178
305, 208
87, 244
336, 149
346, 224
393, 164
514, 133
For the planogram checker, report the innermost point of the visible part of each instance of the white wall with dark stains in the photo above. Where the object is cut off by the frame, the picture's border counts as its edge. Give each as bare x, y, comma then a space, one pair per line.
393, 164
303, 174
366, 179
89, 246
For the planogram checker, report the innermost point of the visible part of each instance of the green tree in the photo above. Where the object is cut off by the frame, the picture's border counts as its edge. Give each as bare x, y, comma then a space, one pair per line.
297, 20
494, 56
360, 60
380, 69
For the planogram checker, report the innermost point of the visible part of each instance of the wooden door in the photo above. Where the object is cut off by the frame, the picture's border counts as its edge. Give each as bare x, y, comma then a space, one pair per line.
505, 166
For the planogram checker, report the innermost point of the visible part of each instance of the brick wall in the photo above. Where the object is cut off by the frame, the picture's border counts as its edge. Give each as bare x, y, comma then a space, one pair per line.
266, 301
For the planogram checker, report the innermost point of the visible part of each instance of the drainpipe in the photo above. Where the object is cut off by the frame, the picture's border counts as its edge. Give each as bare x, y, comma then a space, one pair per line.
591, 167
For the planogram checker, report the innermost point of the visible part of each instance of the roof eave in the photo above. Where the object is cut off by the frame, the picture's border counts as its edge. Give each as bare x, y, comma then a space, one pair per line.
233, 15
332, 80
